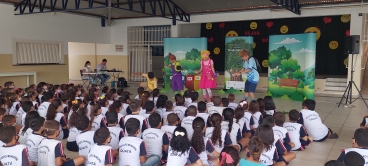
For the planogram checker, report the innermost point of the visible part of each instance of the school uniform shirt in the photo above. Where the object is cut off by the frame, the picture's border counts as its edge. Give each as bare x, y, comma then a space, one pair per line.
194, 104
2, 144
65, 108
154, 139
123, 111
257, 118
33, 142
23, 118
235, 133
120, 121
248, 119
180, 111
15, 155
49, 150
116, 134
143, 123
214, 109
98, 122
161, 111
110, 102
205, 116
362, 151
209, 148
296, 131
62, 121
70, 114
19, 115
209, 104
233, 105
13, 109
39, 98
169, 130
42, 109
187, 124
313, 124
142, 112
188, 101
136, 97
282, 133
270, 112
269, 156
73, 133
179, 158
100, 155
35, 105
85, 141
164, 118
104, 110
225, 137
130, 149
23, 136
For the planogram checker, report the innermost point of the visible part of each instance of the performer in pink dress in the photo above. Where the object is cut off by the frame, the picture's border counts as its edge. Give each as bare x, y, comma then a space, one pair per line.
208, 79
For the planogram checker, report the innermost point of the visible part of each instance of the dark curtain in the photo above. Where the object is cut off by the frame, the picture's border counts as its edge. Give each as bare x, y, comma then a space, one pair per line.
329, 61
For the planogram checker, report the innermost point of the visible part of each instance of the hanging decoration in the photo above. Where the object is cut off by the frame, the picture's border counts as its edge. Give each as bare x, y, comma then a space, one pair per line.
327, 19
269, 24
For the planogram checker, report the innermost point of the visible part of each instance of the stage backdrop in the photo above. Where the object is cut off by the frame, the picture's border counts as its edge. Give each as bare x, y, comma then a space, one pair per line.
291, 64
188, 53
233, 63
329, 29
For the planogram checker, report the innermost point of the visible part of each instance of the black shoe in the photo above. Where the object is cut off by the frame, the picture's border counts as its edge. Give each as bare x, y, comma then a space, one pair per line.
334, 136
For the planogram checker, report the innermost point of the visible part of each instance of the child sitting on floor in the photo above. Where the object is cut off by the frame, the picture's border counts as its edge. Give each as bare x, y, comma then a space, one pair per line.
34, 139
217, 107
282, 132
173, 121
85, 138
12, 153
231, 98
116, 133
360, 145
101, 153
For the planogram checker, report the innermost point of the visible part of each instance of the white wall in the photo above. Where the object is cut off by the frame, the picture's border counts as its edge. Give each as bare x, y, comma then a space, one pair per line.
60, 27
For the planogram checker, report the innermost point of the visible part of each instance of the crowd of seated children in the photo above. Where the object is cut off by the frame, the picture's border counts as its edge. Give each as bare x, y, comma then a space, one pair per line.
101, 153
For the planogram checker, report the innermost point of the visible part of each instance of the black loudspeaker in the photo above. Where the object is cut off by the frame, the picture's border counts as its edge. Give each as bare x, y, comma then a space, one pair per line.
122, 82
352, 44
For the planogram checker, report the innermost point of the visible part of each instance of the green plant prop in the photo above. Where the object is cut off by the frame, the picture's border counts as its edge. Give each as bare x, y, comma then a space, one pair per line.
221, 91
268, 93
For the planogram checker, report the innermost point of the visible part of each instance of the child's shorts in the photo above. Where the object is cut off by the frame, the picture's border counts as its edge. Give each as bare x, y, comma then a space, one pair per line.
303, 145
288, 147
323, 139
69, 163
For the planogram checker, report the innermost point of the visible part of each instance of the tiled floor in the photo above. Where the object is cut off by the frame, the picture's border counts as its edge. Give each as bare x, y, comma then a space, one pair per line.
341, 120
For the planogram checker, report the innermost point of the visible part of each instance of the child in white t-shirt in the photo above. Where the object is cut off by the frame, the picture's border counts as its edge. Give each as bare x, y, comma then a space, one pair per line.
140, 90
219, 137
20, 111
172, 122
135, 106
194, 97
12, 153
125, 99
101, 154
132, 148
97, 118
51, 151
155, 94
180, 150
313, 122
247, 121
360, 143
150, 109
187, 96
217, 106
116, 132
42, 109
169, 109
180, 108
25, 131
161, 105
256, 115
53, 113
233, 128
231, 98
34, 139
156, 140
282, 132
71, 144
202, 112
187, 121
270, 107
297, 132
84, 139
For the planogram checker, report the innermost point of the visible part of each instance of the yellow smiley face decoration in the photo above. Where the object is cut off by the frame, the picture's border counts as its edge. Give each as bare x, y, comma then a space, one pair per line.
209, 25
346, 62
333, 45
216, 50
284, 29
265, 63
254, 45
345, 18
314, 30
253, 25
231, 33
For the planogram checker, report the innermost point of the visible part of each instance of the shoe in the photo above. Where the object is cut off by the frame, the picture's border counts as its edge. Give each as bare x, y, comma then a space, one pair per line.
334, 136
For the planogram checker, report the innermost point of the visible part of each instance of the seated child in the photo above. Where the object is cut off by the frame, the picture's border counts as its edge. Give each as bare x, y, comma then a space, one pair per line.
97, 118
172, 122
53, 113
140, 90
354, 158
270, 107
169, 109
135, 106
180, 151
255, 148
155, 94
2, 114
71, 143
360, 145
187, 96
247, 121
101, 153
232, 103
364, 122
279, 120
180, 107
51, 151
217, 107
298, 134
218, 139
176, 98
187, 121
85, 138
34, 139
42, 109
12, 153
25, 131
225, 102
132, 148
194, 97
229, 156
334, 163
156, 140
119, 93
233, 128
161, 105
269, 155
27, 106
116, 133
314, 126
202, 112
150, 109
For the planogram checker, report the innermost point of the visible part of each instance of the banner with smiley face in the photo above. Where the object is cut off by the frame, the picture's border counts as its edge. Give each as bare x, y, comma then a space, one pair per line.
233, 63
291, 66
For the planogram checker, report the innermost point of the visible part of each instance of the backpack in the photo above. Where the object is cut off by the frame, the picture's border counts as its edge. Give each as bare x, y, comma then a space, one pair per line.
259, 68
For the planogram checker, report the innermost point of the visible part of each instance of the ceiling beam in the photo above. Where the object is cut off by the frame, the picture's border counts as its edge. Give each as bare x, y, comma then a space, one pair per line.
291, 5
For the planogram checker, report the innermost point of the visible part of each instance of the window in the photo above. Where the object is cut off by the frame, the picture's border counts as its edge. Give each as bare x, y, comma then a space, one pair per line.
37, 52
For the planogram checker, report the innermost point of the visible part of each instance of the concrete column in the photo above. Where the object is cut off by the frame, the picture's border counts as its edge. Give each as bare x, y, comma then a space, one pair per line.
175, 30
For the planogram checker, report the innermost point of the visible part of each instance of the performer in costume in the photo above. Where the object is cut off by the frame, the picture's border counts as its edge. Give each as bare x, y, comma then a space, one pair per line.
176, 81
208, 79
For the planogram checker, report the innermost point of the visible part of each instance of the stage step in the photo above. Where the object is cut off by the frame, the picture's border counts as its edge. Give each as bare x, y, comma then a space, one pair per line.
336, 84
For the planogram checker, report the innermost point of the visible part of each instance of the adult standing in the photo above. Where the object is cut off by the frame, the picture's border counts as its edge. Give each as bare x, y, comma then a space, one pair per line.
250, 68
102, 74
87, 69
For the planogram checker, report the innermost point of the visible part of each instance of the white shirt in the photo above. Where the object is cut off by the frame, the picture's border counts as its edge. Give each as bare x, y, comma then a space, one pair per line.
180, 111
42, 109
104, 110
73, 133
85, 141
116, 133
60, 117
142, 121
23, 119
280, 131
235, 133
233, 105
154, 139
204, 116
13, 110
97, 121
130, 149
247, 118
313, 123
161, 111
177, 158
194, 104
267, 156
97, 156
362, 151
187, 124
19, 116
33, 141
270, 112
164, 118
294, 132
225, 137
188, 101
136, 97
46, 151
23, 136
14, 155
256, 118
214, 109
169, 130
123, 111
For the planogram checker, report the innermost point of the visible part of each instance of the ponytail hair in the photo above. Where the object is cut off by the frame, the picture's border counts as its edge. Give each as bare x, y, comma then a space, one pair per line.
29, 116
52, 110
114, 107
161, 101
216, 123
10, 99
197, 140
228, 114
94, 111
75, 104
255, 147
103, 102
144, 98
124, 98
238, 114
179, 141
